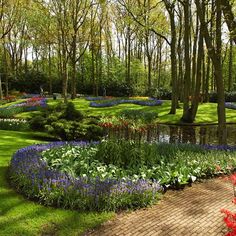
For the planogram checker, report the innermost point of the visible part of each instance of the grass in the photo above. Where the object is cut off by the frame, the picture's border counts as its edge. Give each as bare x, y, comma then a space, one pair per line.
207, 112
19, 216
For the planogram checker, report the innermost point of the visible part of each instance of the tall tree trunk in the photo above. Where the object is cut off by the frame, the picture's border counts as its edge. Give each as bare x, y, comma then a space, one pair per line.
215, 55
230, 81
159, 65
174, 98
26, 60
194, 55
128, 56
1, 92
5, 69
220, 80
73, 65
200, 62
208, 70
180, 52
187, 76
93, 69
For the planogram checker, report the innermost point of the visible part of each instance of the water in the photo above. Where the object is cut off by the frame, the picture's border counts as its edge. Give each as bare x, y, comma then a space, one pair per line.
202, 134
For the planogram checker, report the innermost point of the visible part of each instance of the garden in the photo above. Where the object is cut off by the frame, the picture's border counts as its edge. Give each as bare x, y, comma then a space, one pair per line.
117, 117
94, 165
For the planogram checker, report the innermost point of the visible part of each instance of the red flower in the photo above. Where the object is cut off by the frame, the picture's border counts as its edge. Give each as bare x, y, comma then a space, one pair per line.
233, 179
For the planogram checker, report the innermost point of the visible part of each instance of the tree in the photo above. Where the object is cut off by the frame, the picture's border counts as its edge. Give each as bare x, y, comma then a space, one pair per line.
215, 55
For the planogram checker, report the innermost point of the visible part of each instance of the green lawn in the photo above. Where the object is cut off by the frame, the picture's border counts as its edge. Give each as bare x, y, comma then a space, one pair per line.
207, 112
18, 216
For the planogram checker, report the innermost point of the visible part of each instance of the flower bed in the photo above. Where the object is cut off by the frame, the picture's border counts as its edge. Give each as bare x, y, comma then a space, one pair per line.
111, 175
114, 102
32, 176
230, 217
96, 98
14, 124
31, 104
10, 98
230, 105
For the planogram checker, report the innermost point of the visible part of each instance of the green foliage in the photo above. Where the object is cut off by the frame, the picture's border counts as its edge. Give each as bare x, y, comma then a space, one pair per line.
30, 81
71, 113
136, 115
206, 111
64, 122
229, 96
10, 112
172, 164
110, 185
37, 123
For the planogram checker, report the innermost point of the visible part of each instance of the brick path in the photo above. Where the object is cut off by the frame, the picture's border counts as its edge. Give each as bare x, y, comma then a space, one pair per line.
194, 211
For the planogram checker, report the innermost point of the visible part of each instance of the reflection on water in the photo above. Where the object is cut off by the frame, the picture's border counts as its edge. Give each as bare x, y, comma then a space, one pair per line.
205, 134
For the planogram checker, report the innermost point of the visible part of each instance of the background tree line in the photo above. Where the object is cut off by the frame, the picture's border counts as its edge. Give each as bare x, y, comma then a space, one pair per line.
127, 46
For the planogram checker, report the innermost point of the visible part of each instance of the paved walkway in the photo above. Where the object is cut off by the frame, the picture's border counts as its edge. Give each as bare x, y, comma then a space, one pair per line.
194, 211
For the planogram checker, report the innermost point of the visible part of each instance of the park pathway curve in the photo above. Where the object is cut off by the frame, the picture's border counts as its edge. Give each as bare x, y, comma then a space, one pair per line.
194, 211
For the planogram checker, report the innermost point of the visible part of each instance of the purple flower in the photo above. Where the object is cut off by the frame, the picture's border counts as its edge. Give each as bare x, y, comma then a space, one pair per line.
33, 177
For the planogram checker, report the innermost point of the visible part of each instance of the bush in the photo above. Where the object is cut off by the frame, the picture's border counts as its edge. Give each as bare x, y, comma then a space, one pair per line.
229, 97
37, 123
71, 113
145, 116
64, 122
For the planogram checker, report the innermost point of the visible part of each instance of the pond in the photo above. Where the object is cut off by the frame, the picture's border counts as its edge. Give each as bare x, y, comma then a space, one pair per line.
197, 134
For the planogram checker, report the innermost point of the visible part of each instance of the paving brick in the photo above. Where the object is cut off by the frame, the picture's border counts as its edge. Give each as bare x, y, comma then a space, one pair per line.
194, 211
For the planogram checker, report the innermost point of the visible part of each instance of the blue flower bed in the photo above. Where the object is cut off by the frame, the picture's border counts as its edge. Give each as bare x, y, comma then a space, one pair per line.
11, 110
31, 105
230, 105
219, 147
96, 98
32, 176
110, 103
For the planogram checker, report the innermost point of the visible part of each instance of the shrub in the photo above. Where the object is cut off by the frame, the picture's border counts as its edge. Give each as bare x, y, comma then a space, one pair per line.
37, 123
64, 122
135, 115
229, 96
71, 113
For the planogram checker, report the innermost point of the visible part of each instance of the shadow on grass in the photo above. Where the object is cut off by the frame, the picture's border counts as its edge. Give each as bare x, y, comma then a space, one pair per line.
19, 216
